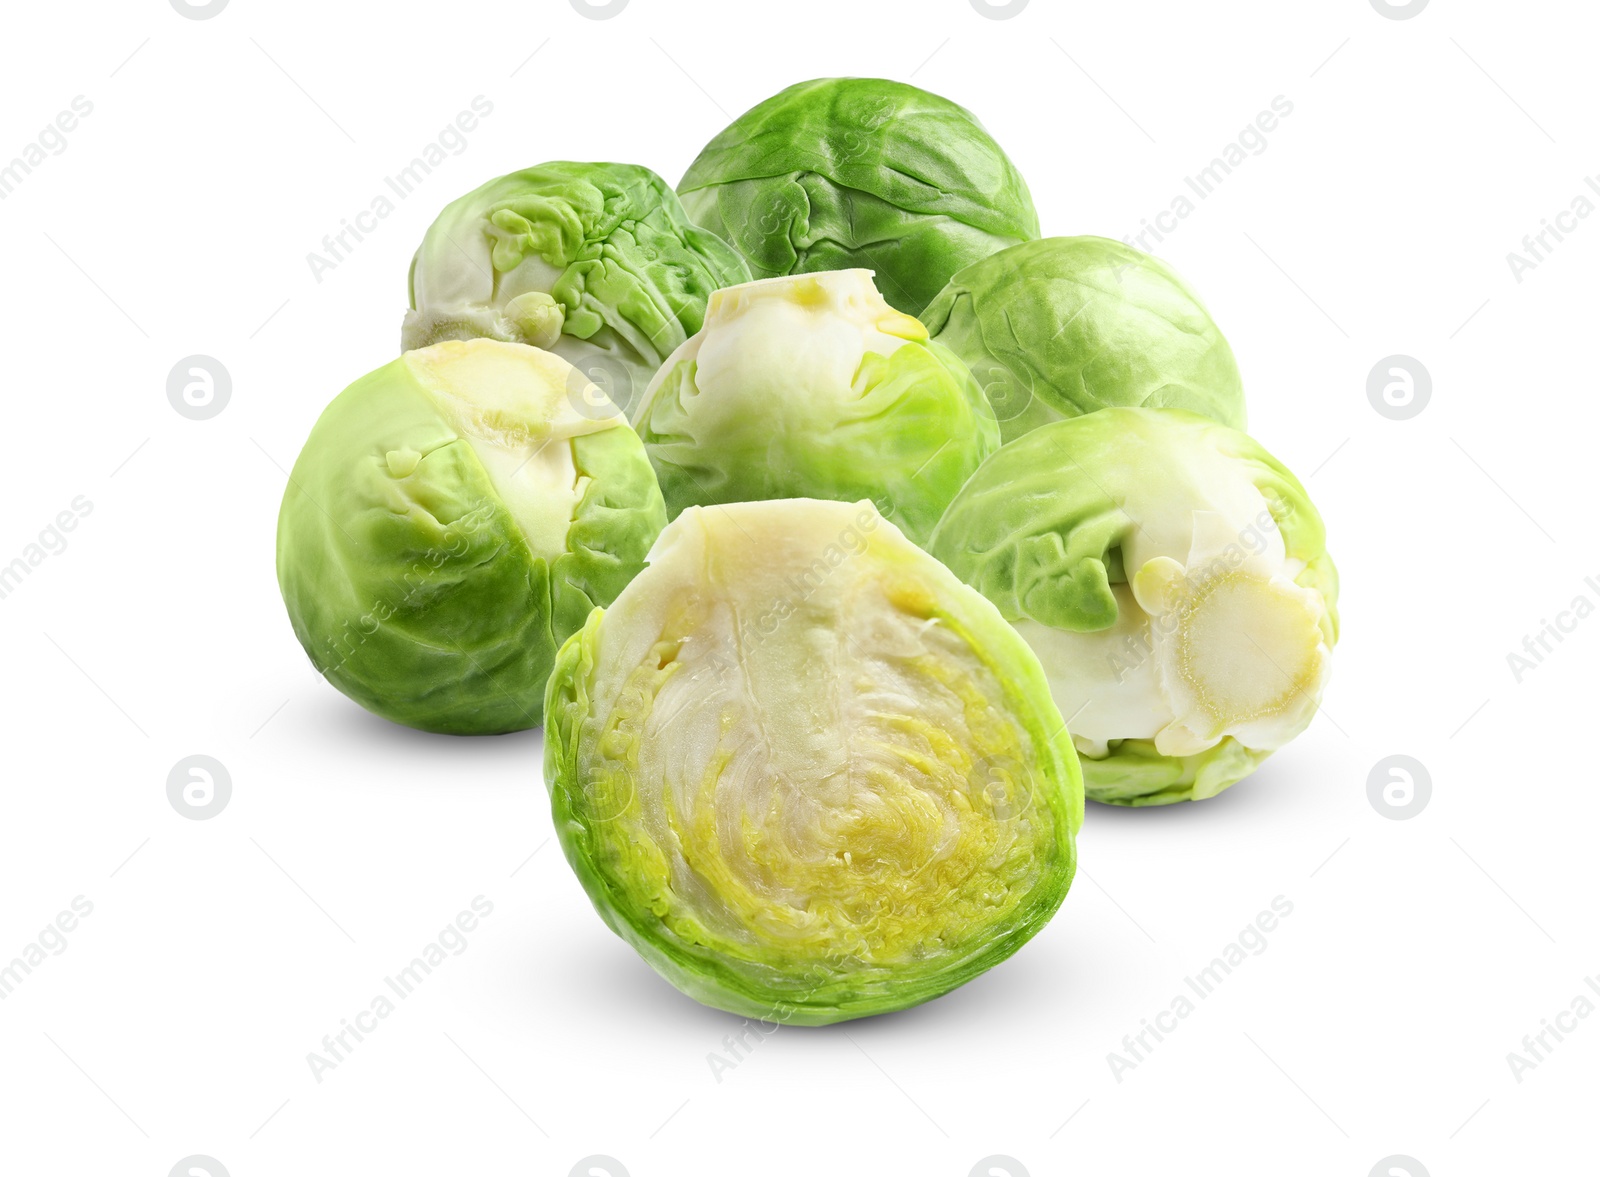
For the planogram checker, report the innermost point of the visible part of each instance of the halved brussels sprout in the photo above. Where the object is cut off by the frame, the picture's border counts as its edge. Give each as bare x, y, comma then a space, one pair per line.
1067, 325
812, 386
1173, 579
596, 262
843, 172
453, 517
806, 772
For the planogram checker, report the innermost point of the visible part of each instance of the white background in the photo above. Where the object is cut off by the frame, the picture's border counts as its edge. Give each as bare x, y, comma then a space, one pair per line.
1377, 221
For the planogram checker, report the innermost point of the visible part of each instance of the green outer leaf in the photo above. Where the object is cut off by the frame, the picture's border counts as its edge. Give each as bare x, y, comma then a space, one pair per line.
612, 530
844, 172
1038, 530
820, 997
1035, 533
1135, 774
634, 271
919, 427
1067, 325
418, 596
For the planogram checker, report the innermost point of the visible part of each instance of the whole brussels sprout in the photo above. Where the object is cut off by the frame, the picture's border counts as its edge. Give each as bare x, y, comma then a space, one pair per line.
1173, 579
806, 772
844, 172
1067, 325
596, 262
453, 517
812, 386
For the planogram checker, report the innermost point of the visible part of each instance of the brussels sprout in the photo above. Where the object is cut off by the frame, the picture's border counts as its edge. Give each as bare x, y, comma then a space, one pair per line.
845, 172
1172, 577
804, 771
812, 386
595, 262
1067, 325
453, 517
